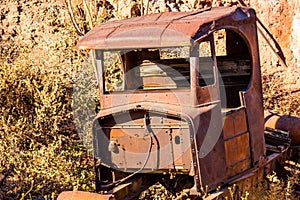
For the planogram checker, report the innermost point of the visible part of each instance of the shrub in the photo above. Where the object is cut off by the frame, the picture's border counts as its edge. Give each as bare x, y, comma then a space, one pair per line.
41, 153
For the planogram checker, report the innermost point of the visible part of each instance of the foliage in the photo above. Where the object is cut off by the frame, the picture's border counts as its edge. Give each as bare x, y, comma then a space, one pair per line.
38, 141
281, 185
41, 154
41, 72
279, 90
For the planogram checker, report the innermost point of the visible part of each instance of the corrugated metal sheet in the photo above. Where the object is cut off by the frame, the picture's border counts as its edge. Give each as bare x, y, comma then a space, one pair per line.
161, 29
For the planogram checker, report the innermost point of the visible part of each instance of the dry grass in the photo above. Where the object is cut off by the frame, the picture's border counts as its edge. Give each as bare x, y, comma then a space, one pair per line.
38, 143
39, 147
281, 89
41, 154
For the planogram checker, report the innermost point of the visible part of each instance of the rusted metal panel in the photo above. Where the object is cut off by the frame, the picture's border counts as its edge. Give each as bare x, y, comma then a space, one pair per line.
158, 30
239, 167
207, 95
235, 123
212, 161
132, 149
164, 139
238, 154
228, 126
71, 195
237, 149
237, 143
252, 97
170, 97
212, 167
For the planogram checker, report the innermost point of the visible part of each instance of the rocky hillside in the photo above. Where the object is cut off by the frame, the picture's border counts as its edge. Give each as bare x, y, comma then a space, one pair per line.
40, 151
282, 19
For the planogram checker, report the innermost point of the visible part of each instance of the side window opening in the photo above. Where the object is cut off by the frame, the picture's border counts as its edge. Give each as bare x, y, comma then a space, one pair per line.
113, 74
234, 65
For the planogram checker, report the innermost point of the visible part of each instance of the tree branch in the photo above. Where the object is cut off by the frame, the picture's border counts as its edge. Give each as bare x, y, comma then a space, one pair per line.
71, 13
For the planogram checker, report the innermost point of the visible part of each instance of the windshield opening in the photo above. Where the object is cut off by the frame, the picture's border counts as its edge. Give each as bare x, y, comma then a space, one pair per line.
146, 69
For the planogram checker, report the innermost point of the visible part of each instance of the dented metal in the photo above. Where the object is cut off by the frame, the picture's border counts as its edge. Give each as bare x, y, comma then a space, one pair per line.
195, 119
161, 29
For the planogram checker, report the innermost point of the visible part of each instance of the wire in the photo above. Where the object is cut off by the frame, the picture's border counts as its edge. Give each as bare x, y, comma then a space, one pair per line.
118, 182
144, 165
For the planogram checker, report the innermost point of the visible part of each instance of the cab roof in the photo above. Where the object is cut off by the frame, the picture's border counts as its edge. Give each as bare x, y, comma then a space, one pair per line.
162, 29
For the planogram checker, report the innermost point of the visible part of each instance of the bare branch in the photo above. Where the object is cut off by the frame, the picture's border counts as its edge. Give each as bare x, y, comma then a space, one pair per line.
89, 17
71, 13
142, 7
147, 7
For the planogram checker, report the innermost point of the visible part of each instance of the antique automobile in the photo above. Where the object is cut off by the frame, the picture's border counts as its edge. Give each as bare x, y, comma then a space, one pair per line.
181, 103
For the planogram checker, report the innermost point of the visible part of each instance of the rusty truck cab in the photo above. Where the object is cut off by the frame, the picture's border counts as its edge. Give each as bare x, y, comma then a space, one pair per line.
180, 93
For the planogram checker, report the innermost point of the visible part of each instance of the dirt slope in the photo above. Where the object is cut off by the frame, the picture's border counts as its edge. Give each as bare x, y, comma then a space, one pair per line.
37, 42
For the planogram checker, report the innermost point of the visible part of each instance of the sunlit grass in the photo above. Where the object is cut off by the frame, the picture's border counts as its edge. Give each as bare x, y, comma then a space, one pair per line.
39, 147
